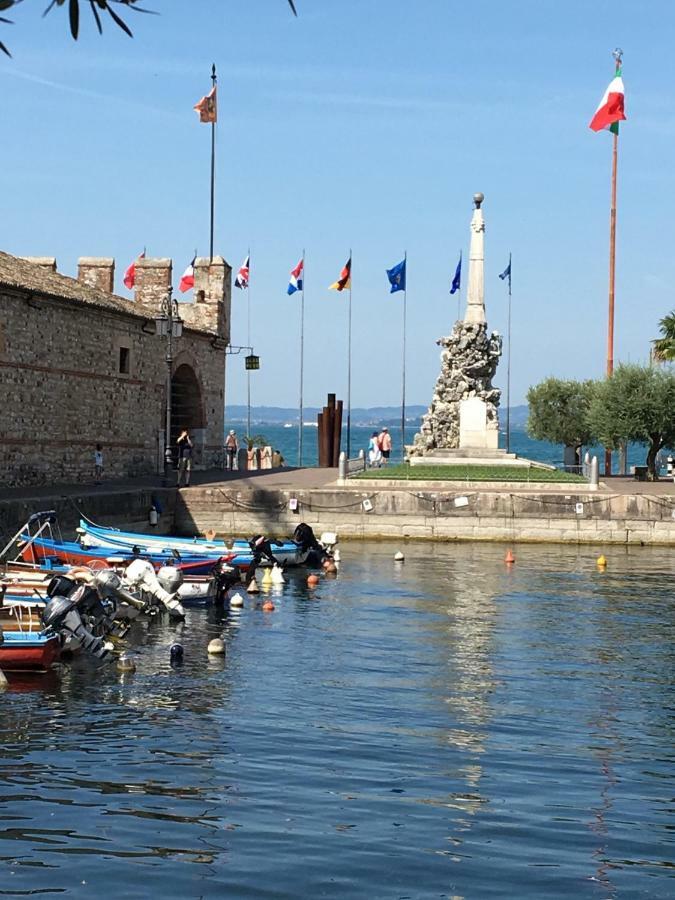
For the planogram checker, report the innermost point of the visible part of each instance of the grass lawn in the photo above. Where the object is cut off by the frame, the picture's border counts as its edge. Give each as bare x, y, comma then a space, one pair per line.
470, 473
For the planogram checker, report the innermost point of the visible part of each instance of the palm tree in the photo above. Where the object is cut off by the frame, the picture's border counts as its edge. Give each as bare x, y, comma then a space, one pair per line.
664, 347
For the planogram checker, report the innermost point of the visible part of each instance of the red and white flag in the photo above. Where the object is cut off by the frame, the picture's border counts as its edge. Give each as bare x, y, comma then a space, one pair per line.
208, 107
241, 281
130, 274
610, 112
187, 280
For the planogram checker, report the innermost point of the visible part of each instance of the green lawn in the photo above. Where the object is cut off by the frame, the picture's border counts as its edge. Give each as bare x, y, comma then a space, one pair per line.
470, 473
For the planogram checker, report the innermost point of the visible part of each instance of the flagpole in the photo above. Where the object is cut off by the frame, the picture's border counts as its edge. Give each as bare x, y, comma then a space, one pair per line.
302, 357
508, 370
213, 167
405, 310
612, 259
248, 341
459, 292
349, 360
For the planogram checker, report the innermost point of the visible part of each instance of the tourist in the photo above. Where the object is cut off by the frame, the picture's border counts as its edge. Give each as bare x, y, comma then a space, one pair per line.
374, 452
385, 445
184, 444
231, 450
98, 464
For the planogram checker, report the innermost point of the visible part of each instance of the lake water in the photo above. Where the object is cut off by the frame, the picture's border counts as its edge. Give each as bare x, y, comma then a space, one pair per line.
443, 728
286, 440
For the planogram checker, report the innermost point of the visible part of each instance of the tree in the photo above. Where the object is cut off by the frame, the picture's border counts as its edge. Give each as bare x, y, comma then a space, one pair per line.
97, 7
636, 403
558, 412
664, 347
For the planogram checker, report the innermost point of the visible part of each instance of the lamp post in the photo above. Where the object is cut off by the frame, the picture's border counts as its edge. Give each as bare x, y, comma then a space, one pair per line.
168, 325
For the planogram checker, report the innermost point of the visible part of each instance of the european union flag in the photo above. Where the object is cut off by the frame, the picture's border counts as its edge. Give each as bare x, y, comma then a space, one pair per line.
457, 280
396, 277
507, 272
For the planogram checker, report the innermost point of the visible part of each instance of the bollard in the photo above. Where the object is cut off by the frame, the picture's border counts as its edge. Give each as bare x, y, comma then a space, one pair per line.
586, 469
362, 459
594, 474
342, 466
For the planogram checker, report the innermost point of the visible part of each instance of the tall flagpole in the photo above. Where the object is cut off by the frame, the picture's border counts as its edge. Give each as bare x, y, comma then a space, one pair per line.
213, 164
349, 361
302, 357
612, 257
248, 340
508, 370
405, 310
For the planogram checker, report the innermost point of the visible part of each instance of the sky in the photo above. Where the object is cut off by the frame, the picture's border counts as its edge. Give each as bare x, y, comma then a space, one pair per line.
362, 124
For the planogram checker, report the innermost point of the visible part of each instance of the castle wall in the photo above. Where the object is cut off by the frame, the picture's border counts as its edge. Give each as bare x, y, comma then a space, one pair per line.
73, 375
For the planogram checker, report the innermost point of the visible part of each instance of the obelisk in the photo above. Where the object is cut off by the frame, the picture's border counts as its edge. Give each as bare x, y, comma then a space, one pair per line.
475, 295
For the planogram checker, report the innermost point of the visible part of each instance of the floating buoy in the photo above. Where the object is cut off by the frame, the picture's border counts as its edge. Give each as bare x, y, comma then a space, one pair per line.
277, 575
252, 587
313, 580
601, 562
509, 559
236, 601
3, 680
216, 647
336, 556
126, 663
398, 556
176, 654
267, 577
268, 606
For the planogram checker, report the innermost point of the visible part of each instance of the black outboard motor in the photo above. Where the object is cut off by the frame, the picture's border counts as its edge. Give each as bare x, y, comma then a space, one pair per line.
61, 616
306, 540
225, 578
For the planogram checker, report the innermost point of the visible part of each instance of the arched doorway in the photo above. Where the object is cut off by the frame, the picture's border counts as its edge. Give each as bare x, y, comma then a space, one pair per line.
187, 409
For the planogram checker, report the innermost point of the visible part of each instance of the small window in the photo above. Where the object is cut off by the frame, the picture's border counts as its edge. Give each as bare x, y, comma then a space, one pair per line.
125, 355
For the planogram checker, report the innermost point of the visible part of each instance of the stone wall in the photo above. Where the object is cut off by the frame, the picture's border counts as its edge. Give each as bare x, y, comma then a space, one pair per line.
73, 374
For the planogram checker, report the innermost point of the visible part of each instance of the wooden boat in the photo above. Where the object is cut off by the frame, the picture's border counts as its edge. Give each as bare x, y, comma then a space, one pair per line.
24, 645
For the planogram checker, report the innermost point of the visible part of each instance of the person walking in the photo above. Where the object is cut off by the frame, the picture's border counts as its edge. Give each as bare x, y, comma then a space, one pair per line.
231, 450
184, 444
374, 452
98, 464
385, 445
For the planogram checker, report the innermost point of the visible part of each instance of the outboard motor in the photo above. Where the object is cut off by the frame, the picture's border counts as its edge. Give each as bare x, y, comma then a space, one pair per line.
141, 576
61, 615
109, 587
306, 540
226, 577
170, 578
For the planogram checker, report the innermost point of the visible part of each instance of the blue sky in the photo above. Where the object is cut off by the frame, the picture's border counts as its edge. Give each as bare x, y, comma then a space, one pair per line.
366, 124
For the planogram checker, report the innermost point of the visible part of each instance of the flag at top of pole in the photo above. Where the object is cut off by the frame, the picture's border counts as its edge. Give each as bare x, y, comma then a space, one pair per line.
187, 280
507, 273
611, 109
208, 106
396, 277
345, 279
295, 283
241, 281
457, 280
130, 273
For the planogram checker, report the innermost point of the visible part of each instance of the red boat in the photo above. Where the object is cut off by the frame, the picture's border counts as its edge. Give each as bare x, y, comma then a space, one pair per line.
24, 646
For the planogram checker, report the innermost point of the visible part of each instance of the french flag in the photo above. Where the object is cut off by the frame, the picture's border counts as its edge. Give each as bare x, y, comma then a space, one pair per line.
187, 281
295, 284
130, 273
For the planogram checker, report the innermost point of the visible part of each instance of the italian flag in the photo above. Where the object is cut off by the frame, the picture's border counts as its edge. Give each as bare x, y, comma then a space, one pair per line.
610, 112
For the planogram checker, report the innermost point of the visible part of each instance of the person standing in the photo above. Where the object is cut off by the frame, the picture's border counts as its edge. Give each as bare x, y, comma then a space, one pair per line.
98, 464
184, 444
374, 452
231, 450
385, 445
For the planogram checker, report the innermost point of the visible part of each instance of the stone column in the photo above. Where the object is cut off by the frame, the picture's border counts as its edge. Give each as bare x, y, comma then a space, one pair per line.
153, 280
475, 297
97, 272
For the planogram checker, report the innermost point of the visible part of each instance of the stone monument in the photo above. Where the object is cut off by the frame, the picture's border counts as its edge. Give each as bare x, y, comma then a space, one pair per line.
462, 420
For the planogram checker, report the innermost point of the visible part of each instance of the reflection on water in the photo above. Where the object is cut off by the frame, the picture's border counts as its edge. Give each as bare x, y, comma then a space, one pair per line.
446, 727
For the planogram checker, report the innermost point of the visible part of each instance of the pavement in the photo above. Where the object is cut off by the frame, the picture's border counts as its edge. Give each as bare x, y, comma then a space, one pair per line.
315, 478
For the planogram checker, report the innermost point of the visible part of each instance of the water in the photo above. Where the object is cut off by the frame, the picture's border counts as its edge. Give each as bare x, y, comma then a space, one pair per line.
286, 440
443, 728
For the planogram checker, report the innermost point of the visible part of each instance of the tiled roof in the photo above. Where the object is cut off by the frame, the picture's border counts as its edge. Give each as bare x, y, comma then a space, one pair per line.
23, 275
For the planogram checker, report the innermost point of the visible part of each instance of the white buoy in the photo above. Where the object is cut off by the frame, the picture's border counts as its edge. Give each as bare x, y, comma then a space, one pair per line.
236, 600
277, 575
3, 680
336, 556
126, 663
398, 556
216, 647
253, 587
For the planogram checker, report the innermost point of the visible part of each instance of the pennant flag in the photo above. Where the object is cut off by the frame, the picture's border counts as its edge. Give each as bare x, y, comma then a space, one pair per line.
345, 279
241, 281
295, 284
208, 107
506, 273
396, 277
457, 280
187, 280
130, 274
610, 112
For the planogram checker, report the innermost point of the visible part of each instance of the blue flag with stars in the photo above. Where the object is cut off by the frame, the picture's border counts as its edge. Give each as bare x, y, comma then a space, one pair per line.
457, 280
396, 277
507, 272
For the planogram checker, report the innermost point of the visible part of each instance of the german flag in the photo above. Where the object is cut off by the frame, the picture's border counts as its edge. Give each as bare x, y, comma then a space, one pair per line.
345, 279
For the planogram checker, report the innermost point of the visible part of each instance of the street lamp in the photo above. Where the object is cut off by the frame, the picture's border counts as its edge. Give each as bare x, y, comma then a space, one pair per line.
169, 325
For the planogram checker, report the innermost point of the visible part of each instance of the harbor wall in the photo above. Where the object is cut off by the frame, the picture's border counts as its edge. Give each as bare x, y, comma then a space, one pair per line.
433, 515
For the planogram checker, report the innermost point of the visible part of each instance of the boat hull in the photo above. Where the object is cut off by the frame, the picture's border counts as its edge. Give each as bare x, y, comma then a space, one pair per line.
28, 652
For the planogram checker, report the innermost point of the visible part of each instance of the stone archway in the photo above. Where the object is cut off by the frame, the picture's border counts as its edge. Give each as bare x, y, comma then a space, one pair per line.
187, 407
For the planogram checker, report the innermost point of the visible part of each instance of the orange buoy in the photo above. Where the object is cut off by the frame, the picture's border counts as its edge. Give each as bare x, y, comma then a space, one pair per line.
312, 580
268, 606
509, 559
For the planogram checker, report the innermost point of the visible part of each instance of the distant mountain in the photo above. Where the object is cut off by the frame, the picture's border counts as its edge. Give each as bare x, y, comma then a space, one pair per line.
373, 415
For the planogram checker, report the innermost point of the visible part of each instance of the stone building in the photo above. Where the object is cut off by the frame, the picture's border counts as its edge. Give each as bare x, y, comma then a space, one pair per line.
80, 366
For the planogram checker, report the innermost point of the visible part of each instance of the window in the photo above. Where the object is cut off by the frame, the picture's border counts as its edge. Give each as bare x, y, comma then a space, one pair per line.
125, 355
